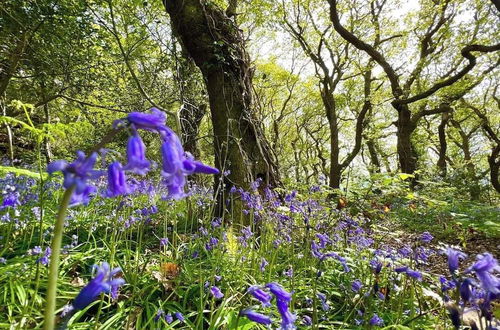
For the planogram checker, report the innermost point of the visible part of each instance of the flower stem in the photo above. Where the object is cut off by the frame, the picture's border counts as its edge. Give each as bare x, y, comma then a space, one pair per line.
54, 260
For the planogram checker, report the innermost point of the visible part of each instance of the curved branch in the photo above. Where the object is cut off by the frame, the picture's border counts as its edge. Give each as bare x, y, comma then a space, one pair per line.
370, 50
467, 53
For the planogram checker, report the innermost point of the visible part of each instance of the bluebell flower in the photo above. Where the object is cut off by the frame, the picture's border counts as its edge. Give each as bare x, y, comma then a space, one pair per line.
103, 282
263, 264
147, 121
376, 265
177, 164
82, 198
306, 320
215, 291
136, 156
426, 237
278, 291
401, 269
10, 200
376, 321
46, 257
163, 242
282, 300
484, 267
168, 318
117, 182
414, 274
256, 317
179, 316
260, 295
454, 256
287, 318
289, 272
3, 260
324, 304
356, 285
78, 172
35, 251
159, 314
465, 289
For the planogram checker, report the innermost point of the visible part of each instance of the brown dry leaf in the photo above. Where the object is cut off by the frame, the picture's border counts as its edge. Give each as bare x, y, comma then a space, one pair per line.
168, 272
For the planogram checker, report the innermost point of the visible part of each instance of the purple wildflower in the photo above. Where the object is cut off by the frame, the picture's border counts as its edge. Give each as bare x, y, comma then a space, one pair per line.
179, 316
454, 257
148, 121
76, 173
260, 295
45, 259
215, 291
414, 274
356, 285
136, 155
484, 267
256, 317
159, 314
263, 264
104, 281
324, 304
376, 321
117, 182
306, 320
426, 237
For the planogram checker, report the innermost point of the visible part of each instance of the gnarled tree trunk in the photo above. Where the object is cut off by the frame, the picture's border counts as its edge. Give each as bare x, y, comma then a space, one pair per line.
215, 43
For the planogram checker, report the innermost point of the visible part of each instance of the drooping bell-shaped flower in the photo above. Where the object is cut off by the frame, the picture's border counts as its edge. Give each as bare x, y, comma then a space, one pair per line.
454, 257
283, 298
117, 182
78, 172
148, 121
256, 317
261, 295
216, 292
484, 268
103, 282
177, 164
83, 197
136, 156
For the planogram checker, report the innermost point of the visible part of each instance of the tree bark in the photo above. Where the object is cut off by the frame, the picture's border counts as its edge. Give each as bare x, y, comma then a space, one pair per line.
494, 162
331, 114
406, 150
216, 45
372, 151
443, 144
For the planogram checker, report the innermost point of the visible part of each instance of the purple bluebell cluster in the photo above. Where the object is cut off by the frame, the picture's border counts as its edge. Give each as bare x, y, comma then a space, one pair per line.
177, 164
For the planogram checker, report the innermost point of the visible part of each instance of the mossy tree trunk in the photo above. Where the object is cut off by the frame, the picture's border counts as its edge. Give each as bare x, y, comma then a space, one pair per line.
215, 43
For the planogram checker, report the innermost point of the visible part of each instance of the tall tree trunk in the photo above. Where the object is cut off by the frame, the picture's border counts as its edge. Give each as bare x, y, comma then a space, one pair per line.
216, 45
192, 96
494, 162
406, 150
10, 137
443, 145
191, 116
331, 114
372, 151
